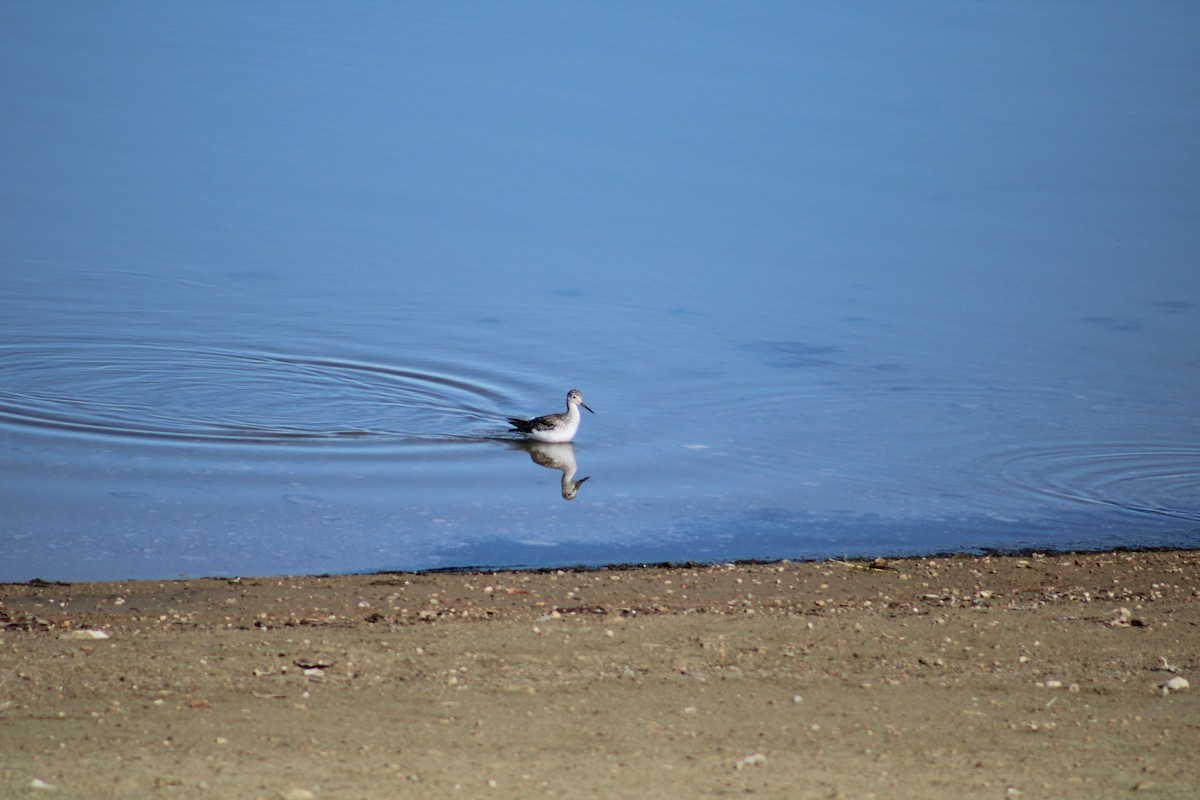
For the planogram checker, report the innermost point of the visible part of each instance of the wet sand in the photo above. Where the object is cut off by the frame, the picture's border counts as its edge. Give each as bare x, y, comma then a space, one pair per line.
1000, 677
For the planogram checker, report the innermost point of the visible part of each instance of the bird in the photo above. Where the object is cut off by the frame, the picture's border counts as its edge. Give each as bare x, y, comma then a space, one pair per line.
553, 427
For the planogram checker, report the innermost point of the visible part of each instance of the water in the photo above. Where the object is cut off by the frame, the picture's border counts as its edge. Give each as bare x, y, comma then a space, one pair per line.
836, 280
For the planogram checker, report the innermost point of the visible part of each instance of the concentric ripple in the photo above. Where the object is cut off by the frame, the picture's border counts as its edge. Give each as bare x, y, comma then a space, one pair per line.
1162, 480
208, 394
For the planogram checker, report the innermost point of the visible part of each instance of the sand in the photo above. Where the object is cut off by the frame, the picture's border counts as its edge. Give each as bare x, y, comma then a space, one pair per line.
997, 677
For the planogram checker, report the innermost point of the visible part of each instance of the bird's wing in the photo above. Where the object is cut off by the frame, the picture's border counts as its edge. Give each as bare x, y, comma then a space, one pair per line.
546, 423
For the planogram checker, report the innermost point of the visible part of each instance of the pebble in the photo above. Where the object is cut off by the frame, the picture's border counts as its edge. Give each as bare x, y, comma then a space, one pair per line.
41, 785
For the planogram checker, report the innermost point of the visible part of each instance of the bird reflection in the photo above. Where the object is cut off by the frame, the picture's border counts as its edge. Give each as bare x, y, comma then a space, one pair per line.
560, 456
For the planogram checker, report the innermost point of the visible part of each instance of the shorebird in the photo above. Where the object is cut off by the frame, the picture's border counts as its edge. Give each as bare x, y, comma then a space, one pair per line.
553, 427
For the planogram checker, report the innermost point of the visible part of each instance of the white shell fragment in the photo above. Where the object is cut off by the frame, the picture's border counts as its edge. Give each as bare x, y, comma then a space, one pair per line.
85, 633
1176, 683
754, 760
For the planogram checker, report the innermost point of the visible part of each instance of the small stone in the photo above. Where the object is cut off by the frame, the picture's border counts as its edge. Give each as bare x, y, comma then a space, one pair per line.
41, 786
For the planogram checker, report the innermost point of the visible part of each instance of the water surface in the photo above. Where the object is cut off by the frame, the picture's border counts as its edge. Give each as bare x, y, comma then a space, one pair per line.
836, 281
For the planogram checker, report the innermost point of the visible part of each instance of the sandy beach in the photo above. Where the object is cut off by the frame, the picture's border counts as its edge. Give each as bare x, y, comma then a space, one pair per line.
1038, 676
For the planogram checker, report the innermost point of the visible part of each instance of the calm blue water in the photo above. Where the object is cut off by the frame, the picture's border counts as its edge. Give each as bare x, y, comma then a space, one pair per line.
837, 280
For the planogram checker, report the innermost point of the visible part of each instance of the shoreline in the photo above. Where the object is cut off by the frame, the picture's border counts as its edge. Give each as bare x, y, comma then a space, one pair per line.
1015, 675
620, 566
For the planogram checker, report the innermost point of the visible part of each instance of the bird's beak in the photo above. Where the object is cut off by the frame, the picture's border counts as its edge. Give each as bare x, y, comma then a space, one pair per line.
585, 406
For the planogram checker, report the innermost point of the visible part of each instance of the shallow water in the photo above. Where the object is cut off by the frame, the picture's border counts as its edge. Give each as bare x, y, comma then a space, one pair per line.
835, 281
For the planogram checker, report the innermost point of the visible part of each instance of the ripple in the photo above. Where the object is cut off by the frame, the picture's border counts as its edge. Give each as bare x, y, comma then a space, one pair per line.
209, 394
1162, 480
